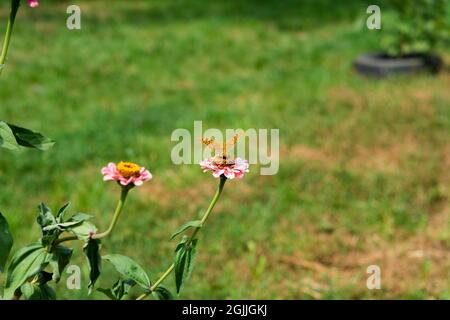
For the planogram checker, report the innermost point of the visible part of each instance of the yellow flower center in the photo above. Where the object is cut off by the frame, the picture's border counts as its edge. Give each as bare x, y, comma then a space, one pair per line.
128, 169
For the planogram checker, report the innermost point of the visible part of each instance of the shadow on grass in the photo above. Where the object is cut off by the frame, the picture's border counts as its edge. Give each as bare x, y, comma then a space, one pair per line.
286, 14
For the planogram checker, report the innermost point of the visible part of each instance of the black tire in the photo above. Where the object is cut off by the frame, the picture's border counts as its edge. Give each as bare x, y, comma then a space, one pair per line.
380, 65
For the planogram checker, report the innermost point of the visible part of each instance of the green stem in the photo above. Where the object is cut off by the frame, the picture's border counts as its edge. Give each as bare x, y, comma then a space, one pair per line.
117, 212
69, 238
9, 28
216, 197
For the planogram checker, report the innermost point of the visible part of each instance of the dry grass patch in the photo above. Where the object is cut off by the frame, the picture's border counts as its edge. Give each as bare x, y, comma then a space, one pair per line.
389, 158
407, 263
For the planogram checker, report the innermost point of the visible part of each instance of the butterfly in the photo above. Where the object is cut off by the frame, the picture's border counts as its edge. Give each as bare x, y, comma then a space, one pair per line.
221, 149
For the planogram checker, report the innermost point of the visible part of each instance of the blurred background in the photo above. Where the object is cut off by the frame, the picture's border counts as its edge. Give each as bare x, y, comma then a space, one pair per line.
364, 164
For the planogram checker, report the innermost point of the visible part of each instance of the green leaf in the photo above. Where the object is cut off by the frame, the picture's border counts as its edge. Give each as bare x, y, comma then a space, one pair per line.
31, 139
162, 293
6, 242
182, 243
61, 212
48, 239
28, 290
7, 139
75, 220
37, 291
61, 226
184, 262
59, 259
192, 253
180, 262
83, 231
119, 290
42, 277
129, 269
108, 293
186, 226
92, 251
11, 137
45, 217
80, 217
26, 263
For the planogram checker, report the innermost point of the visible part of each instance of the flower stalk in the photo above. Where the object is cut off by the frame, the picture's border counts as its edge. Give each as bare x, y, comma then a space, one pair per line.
117, 212
205, 217
8, 33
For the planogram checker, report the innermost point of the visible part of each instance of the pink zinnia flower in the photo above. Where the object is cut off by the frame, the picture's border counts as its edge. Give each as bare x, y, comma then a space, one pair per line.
33, 3
222, 166
126, 173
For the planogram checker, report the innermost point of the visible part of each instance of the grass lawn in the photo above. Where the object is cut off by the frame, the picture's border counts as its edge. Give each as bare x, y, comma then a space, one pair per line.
364, 164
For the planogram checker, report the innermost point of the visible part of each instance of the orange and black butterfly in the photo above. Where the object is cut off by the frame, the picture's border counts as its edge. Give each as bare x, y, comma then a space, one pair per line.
221, 149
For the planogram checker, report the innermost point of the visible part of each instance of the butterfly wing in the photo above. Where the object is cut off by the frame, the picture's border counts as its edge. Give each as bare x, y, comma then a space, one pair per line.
212, 144
231, 143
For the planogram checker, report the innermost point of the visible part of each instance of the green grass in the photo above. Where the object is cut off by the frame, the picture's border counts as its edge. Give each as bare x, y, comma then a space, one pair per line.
364, 174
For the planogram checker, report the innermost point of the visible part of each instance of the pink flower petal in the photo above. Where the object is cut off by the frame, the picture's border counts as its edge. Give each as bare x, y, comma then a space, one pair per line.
110, 173
230, 171
33, 3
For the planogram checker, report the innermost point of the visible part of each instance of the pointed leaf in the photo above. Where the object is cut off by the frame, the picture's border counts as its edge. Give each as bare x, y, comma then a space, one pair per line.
129, 269
31, 139
162, 293
26, 263
34, 291
184, 262
119, 290
45, 217
182, 243
61, 226
80, 217
108, 293
83, 231
7, 139
75, 220
190, 261
186, 226
43, 277
6, 242
180, 263
61, 212
59, 259
92, 251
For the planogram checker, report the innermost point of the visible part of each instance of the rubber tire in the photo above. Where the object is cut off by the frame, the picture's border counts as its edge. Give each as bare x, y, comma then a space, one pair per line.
380, 65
